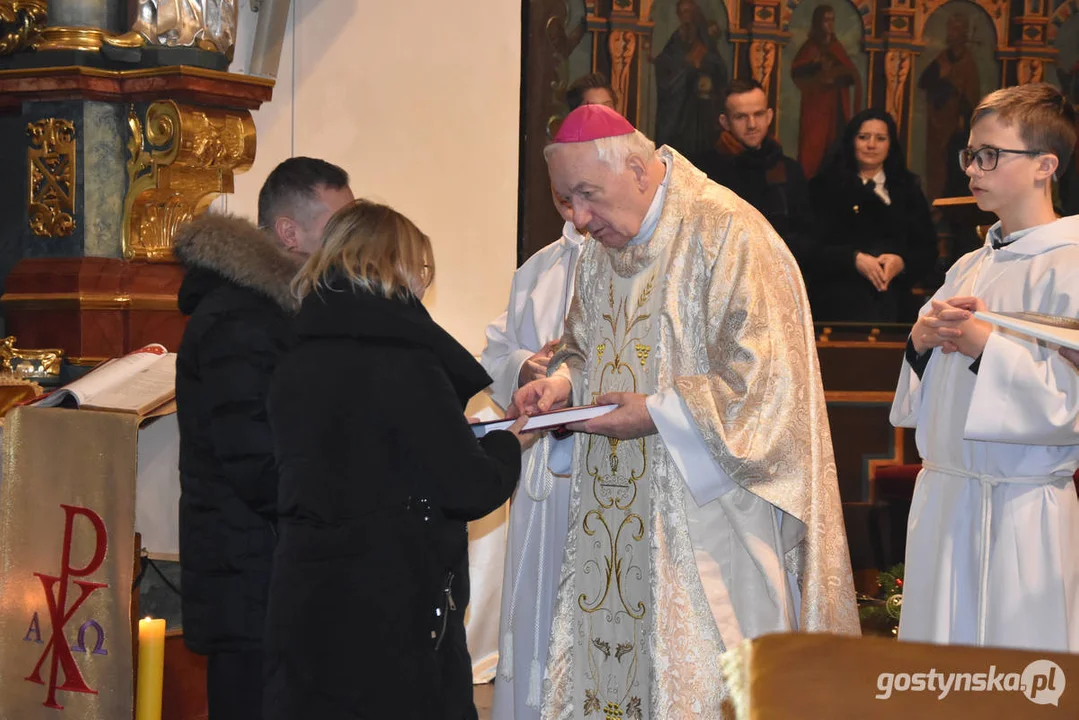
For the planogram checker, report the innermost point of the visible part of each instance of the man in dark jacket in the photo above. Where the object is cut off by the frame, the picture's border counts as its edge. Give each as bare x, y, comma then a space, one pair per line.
752, 164
236, 292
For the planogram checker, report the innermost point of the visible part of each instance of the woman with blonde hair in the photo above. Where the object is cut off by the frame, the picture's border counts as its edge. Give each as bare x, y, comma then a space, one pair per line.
379, 474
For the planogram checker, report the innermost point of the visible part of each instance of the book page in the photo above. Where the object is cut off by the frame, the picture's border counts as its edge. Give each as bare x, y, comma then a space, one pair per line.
102, 378
141, 392
542, 421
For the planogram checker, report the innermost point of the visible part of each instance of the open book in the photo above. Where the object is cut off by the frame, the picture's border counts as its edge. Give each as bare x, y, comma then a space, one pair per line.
1058, 330
140, 382
547, 420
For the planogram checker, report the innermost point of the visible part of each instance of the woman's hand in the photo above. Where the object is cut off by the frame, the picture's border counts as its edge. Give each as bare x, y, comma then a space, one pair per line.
539, 396
871, 270
892, 265
527, 439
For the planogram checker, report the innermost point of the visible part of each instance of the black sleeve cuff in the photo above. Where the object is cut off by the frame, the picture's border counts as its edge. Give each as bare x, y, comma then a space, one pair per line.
918, 363
976, 364
503, 446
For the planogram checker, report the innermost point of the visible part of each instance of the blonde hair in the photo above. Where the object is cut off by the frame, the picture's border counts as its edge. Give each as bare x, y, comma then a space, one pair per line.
1045, 118
374, 248
615, 151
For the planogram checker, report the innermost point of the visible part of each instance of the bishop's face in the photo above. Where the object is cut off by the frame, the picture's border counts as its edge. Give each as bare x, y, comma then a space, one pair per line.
610, 204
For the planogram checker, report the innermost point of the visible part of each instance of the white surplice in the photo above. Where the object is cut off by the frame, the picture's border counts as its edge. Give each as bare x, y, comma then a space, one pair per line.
539, 298
993, 535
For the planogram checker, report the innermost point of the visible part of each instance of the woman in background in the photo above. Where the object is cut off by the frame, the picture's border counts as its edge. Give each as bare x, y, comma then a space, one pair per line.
379, 474
875, 238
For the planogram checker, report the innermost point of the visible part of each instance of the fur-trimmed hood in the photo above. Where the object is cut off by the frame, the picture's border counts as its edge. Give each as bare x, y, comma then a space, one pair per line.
241, 253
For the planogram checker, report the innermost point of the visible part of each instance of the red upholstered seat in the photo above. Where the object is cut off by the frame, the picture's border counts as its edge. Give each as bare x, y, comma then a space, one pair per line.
896, 482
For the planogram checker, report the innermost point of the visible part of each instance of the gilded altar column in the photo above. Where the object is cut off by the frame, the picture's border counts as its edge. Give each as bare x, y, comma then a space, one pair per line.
621, 43
891, 64
81, 25
759, 37
113, 134
1029, 38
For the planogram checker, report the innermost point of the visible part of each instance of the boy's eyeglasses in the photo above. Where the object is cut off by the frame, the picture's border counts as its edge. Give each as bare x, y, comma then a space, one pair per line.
987, 157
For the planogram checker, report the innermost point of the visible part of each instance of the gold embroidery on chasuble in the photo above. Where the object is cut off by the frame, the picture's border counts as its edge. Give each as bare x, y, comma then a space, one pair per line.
613, 590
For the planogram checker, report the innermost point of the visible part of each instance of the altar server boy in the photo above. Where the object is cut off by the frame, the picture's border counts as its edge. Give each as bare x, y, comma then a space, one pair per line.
993, 535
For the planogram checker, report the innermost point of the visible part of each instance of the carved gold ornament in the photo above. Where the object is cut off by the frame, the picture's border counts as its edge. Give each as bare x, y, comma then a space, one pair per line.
1030, 70
25, 363
50, 160
21, 22
623, 45
896, 69
762, 58
179, 159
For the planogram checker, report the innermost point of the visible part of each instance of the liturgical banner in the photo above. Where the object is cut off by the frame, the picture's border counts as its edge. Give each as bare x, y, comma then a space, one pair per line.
67, 524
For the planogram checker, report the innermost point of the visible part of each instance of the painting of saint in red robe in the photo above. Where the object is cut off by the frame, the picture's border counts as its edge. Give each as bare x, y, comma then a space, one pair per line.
827, 78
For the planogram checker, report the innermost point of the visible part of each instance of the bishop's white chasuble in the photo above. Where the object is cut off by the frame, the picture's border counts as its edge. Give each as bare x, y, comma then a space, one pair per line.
724, 524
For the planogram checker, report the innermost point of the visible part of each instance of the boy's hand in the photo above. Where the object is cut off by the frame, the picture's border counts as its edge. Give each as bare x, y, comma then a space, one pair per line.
1071, 356
937, 328
973, 333
968, 303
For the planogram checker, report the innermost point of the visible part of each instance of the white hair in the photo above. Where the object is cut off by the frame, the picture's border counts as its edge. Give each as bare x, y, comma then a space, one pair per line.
615, 151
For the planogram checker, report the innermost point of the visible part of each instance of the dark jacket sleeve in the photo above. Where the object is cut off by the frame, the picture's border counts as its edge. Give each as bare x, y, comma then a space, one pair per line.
237, 360
921, 237
471, 477
800, 237
834, 250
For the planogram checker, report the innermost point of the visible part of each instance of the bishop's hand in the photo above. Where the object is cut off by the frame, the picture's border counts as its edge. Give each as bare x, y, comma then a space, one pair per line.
540, 396
630, 420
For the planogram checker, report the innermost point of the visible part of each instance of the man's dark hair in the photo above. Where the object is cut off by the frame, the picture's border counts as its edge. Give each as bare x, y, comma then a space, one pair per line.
295, 180
741, 86
592, 81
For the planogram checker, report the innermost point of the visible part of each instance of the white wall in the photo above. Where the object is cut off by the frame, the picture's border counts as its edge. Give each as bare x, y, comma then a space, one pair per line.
419, 102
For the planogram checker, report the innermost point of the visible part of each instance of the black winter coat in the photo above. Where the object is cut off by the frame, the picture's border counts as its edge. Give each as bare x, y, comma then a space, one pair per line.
236, 293
852, 218
769, 181
380, 473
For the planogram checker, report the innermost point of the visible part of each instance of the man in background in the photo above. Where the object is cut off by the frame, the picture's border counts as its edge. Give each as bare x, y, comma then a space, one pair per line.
750, 162
591, 89
237, 297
